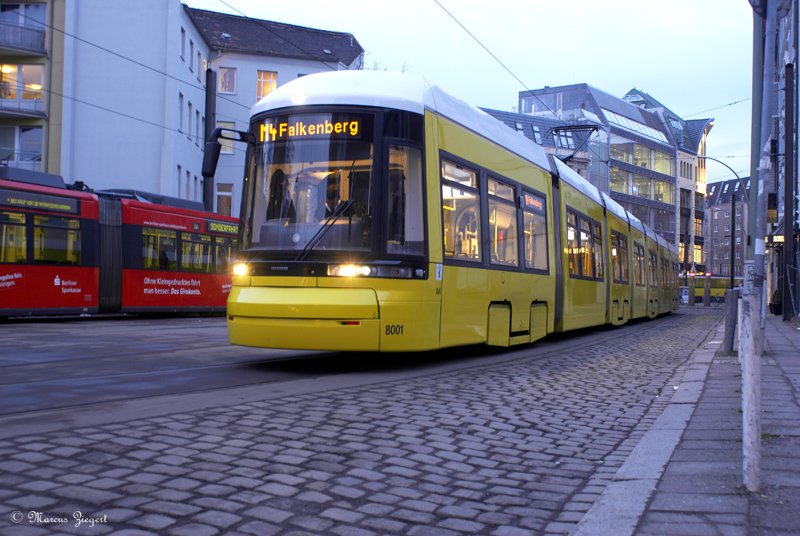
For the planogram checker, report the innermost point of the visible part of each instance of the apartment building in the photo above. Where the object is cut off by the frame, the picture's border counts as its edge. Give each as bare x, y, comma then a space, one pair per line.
112, 96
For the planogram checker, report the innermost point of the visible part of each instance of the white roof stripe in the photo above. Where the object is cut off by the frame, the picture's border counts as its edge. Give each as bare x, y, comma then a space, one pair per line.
398, 91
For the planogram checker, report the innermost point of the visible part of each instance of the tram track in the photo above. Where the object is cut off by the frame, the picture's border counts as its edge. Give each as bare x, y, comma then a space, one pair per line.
162, 387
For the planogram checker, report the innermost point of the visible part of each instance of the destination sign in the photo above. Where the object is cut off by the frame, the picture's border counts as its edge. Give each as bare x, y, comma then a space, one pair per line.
283, 130
28, 200
533, 202
221, 227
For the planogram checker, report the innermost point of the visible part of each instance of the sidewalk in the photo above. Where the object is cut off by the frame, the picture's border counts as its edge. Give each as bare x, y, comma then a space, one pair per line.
700, 490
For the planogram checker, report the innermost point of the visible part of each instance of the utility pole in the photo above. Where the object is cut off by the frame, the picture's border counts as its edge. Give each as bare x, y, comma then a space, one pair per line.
788, 268
751, 337
733, 236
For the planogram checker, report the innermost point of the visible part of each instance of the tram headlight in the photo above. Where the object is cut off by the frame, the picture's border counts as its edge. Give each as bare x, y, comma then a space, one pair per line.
241, 269
349, 270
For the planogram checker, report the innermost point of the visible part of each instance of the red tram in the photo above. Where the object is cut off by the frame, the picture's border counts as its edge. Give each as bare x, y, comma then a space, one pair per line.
65, 251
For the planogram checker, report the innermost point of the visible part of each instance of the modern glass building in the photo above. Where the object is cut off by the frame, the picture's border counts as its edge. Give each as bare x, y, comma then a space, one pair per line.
645, 156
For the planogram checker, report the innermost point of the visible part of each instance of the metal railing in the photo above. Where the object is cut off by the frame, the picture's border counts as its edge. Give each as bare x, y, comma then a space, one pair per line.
18, 98
22, 37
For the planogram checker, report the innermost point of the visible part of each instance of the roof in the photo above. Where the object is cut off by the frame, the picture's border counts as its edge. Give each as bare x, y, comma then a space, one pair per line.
719, 193
231, 33
399, 91
581, 97
688, 133
546, 127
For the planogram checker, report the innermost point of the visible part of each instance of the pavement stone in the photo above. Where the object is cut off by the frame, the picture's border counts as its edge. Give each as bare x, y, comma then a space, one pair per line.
526, 447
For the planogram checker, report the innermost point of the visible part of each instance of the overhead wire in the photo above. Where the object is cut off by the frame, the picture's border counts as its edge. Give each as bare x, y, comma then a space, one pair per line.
509, 71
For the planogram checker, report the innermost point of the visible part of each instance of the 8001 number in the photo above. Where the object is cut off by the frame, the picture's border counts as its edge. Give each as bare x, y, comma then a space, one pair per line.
394, 329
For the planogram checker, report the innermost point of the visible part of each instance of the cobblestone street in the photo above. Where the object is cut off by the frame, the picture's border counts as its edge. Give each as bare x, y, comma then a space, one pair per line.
521, 448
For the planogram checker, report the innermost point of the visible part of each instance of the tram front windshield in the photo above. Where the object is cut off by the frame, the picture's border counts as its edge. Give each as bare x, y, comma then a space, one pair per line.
313, 190
312, 180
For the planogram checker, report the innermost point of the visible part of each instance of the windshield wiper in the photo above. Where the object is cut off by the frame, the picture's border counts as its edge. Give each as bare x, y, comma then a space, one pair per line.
326, 226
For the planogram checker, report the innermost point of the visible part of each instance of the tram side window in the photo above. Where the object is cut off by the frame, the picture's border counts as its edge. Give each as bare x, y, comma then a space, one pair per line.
664, 273
225, 250
652, 268
597, 240
461, 216
573, 244
196, 252
159, 248
56, 240
406, 235
624, 260
638, 253
586, 248
504, 245
534, 232
13, 242
619, 257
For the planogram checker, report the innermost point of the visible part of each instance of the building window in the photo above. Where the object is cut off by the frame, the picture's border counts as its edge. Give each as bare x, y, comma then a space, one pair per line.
266, 84
537, 135
619, 181
199, 64
183, 44
180, 178
180, 113
191, 55
189, 129
188, 191
716, 214
727, 227
227, 80
519, 127
23, 84
224, 198
197, 127
21, 146
641, 186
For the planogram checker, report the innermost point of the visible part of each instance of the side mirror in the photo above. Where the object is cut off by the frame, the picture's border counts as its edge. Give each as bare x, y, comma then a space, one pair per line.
211, 153
213, 147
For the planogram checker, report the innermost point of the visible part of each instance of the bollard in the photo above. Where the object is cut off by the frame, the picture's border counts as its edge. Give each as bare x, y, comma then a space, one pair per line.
751, 393
731, 315
706, 292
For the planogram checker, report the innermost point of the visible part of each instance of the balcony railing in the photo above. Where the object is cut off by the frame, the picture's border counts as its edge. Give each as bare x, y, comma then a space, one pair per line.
32, 165
20, 99
22, 38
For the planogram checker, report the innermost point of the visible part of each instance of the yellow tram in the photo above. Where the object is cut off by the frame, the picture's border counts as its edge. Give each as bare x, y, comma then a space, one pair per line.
381, 214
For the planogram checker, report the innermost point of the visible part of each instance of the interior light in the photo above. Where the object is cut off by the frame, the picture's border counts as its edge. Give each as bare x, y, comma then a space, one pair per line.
241, 268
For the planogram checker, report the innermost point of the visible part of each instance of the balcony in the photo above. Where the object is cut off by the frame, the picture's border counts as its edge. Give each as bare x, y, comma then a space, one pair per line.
21, 40
31, 165
21, 100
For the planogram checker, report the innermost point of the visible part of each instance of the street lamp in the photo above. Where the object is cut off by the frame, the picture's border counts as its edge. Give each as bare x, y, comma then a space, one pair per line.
746, 198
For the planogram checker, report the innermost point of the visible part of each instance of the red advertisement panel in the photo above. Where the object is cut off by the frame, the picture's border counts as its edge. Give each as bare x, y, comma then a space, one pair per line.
148, 290
26, 287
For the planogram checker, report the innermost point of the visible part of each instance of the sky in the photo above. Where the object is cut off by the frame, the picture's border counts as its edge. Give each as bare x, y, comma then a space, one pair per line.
694, 56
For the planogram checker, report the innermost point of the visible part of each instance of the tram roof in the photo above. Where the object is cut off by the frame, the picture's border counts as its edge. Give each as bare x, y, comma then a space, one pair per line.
571, 177
398, 91
614, 207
